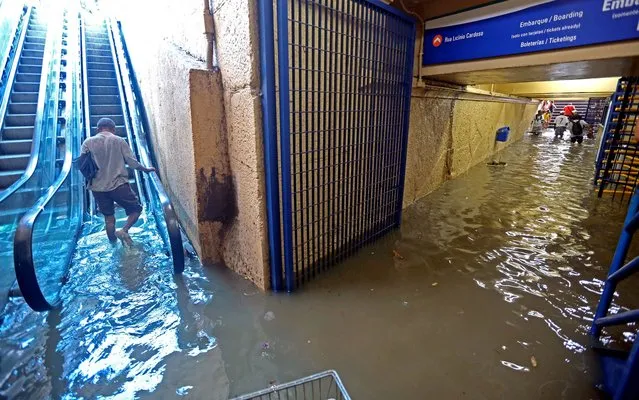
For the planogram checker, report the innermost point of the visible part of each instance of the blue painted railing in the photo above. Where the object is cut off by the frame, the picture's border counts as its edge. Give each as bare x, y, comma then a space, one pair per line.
621, 374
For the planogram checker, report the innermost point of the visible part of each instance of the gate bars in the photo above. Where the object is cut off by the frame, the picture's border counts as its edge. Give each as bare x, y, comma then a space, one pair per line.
343, 101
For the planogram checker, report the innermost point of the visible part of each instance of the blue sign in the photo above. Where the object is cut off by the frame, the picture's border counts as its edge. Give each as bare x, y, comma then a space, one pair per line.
555, 25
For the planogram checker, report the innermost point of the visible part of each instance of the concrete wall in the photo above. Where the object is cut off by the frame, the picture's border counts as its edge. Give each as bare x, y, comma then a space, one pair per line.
453, 130
206, 124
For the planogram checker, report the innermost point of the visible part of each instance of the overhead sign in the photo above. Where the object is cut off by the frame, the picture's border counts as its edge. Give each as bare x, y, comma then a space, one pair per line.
555, 25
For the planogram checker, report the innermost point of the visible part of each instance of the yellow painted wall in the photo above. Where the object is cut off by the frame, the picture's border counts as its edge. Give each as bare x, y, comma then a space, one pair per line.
576, 87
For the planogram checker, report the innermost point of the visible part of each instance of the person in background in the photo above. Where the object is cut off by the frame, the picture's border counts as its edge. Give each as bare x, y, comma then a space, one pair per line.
537, 125
110, 185
569, 109
552, 106
577, 127
561, 123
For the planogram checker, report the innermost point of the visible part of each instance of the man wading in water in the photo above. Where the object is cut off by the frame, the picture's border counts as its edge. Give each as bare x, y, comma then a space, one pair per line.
111, 181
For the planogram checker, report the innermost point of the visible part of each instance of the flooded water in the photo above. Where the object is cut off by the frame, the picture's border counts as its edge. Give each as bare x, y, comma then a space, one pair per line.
486, 292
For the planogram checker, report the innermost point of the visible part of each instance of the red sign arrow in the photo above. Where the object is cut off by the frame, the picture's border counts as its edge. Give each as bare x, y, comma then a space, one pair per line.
437, 40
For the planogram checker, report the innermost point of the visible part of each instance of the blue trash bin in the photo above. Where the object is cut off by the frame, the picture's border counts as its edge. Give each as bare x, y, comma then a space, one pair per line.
502, 134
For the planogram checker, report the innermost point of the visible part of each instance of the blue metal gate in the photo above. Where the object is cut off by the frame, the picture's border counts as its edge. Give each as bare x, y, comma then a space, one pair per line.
335, 139
617, 166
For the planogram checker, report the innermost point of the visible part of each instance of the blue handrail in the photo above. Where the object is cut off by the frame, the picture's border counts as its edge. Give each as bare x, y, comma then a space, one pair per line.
622, 375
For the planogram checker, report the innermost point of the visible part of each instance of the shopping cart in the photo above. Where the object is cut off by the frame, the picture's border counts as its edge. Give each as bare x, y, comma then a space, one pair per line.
322, 386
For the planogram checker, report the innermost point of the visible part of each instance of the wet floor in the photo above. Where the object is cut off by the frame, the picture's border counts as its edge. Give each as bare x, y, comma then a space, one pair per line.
486, 292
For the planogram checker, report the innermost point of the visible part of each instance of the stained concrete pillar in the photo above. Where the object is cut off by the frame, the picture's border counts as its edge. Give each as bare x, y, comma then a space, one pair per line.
206, 125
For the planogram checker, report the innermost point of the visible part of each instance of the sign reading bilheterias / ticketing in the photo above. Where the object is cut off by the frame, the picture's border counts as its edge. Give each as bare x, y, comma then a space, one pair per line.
554, 25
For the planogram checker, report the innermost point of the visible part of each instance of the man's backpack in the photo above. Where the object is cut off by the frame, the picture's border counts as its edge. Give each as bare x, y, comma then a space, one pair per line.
87, 166
577, 129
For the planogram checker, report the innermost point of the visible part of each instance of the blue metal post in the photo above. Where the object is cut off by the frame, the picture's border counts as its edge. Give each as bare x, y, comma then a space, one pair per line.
269, 126
285, 137
410, 57
617, 262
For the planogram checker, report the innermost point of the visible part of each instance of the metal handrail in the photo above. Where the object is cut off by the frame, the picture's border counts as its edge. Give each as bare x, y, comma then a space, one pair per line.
174, 239
24, 265
13, 44
35, 148
125, 110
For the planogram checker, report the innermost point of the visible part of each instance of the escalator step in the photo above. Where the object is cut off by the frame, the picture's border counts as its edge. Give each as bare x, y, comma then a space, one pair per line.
29, 69
24, 97
110, 109
22, 146
103, 90
102, 82
103, 59
33, 53
118, 119
23, 108
26, 87
17, 132
104, 99
101, 73
120, 130
8, 177
34, 46
11, 120
35, 35
99, 65
99, 53
30, 61
101, 40
34, 40
22, 77
14, 162
101, 47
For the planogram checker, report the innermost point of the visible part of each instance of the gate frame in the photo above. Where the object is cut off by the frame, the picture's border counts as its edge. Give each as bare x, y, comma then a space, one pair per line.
276, 220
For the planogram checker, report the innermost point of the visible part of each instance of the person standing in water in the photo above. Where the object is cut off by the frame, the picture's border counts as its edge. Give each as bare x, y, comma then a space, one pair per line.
110, 185
577, 127
561, 123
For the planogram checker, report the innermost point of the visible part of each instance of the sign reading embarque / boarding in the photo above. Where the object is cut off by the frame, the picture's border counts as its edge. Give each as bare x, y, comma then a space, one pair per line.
554, 25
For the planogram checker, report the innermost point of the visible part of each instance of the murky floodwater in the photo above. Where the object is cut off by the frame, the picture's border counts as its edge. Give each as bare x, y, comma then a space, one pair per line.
491, 298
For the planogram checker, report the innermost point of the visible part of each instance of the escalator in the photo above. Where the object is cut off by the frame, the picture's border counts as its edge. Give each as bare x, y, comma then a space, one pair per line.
16, 137
30, 111
101, 85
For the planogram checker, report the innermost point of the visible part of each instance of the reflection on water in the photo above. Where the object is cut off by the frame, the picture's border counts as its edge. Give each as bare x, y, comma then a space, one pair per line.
492, 297
125, 321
